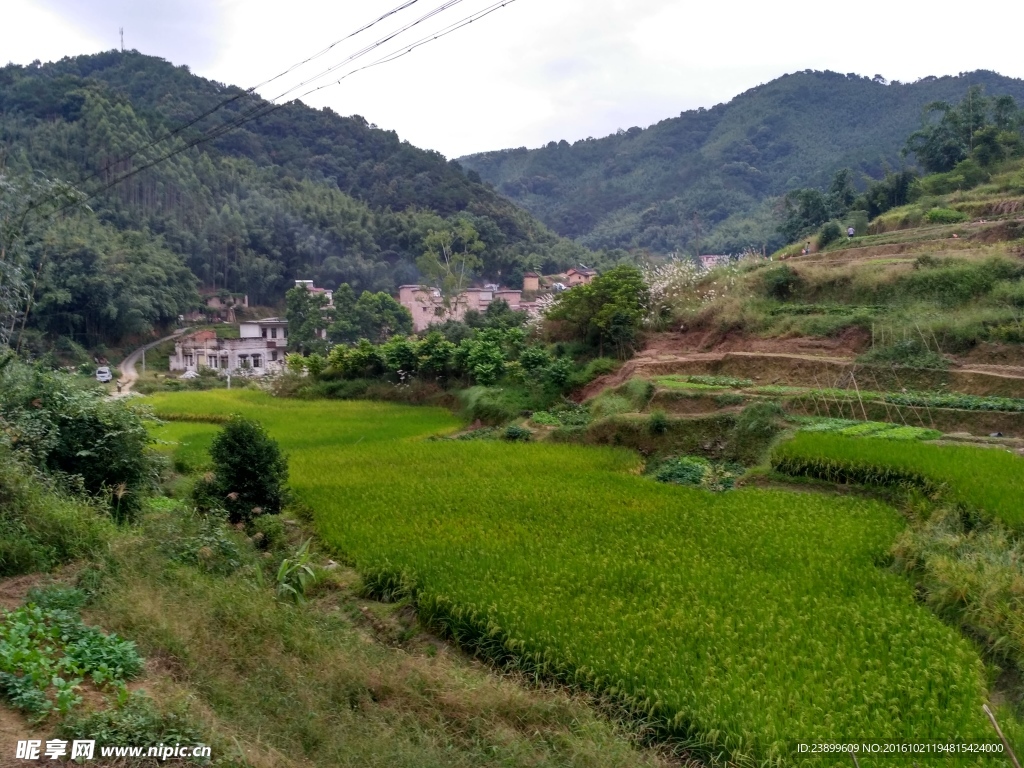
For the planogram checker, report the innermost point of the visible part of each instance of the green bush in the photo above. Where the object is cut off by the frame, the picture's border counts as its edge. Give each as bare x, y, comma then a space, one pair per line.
945, 216
516, 434
658, 423
77, 434
251, 473
687, 470
268, 532
780, 282
828, 234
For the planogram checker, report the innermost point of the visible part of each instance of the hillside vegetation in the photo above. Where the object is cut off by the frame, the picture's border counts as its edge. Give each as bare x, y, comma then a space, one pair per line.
297, 193
707, 180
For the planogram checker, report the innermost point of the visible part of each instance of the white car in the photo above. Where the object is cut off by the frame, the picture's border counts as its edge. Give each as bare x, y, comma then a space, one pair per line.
103, 375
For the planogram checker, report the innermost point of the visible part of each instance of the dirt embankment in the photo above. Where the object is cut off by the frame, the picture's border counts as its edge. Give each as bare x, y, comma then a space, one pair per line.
990, 369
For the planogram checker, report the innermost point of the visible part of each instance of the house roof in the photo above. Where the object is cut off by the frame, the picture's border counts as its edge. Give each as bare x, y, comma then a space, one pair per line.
531, 274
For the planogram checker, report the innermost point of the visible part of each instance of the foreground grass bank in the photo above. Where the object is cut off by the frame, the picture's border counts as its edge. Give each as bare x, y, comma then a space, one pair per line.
737, 624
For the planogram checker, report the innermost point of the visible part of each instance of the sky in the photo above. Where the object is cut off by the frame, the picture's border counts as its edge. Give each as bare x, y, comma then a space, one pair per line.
533, 71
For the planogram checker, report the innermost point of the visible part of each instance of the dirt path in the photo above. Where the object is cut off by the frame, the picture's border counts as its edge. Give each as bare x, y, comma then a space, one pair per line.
128, 373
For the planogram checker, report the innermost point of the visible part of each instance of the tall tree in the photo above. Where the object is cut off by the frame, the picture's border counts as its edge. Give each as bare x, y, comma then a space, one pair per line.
451, 259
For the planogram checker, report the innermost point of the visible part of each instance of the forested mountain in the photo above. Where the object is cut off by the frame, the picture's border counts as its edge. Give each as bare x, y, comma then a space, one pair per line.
709, 179
296, 193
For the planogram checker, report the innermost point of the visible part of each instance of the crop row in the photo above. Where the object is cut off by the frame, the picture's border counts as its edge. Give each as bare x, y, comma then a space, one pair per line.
989, 480
736, 623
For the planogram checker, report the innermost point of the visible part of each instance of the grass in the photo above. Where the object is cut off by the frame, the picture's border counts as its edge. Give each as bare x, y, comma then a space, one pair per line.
41, 528
336, 681
989, 480
736, 623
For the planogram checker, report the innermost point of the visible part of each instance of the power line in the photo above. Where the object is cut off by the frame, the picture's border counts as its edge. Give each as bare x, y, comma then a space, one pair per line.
247, 92
268, 108
371, 47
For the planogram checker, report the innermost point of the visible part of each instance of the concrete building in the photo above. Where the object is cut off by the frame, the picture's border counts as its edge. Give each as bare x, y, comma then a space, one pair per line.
308, 285
576, 277
260, 349
427, 308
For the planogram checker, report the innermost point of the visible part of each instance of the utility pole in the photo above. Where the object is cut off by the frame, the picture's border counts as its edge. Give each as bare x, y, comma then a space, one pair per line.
121, 30
143, 361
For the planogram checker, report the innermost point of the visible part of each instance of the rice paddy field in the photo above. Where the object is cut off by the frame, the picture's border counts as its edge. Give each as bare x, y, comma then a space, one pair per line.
739, 624
988, 479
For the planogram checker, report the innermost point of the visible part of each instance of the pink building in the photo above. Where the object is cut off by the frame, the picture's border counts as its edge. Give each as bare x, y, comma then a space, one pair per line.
427, 308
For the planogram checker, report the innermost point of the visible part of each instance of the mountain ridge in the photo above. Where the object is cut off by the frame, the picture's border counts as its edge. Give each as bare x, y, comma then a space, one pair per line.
707, 175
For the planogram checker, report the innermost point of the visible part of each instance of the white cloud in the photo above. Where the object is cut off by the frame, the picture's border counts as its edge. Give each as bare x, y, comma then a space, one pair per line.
538, 71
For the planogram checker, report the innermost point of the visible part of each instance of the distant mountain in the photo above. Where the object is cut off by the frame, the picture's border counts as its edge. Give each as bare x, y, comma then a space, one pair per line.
708, 176
297, 193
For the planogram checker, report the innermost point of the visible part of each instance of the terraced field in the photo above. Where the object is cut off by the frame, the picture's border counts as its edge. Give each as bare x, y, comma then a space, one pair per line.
737, 624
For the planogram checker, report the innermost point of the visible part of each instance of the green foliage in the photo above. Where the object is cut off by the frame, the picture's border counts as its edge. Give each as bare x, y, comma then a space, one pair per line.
968, 573
688, 470
40, 527
780, 282
609, 309
375, 316
134, 720
710, 179
829, 233
295, 575
307, 316
658, 423
45, 653
907, 353
991, 481
955, 400
451, 258
698, 472
977, 129
339, 201
76, 433
945, 216
516, 434
251, 472
209, 546
269, 532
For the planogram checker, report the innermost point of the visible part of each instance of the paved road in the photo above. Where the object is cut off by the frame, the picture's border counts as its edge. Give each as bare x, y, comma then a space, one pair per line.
128, 373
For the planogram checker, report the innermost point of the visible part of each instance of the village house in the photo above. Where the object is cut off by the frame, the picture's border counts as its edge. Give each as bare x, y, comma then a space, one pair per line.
427, 307
308, 285
260, 349
531, 282
576, 277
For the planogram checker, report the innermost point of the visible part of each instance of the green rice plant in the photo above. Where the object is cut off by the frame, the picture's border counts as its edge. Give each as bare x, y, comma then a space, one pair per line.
733, 623
989, 480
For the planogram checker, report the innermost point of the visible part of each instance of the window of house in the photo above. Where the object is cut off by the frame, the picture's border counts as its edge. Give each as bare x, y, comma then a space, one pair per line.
257, 361
213, 362
263, 332
188, 360
224, 363
273, 333
273, 357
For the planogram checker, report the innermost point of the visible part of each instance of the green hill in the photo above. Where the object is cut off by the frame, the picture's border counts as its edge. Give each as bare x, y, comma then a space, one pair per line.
706, 179
296, 193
